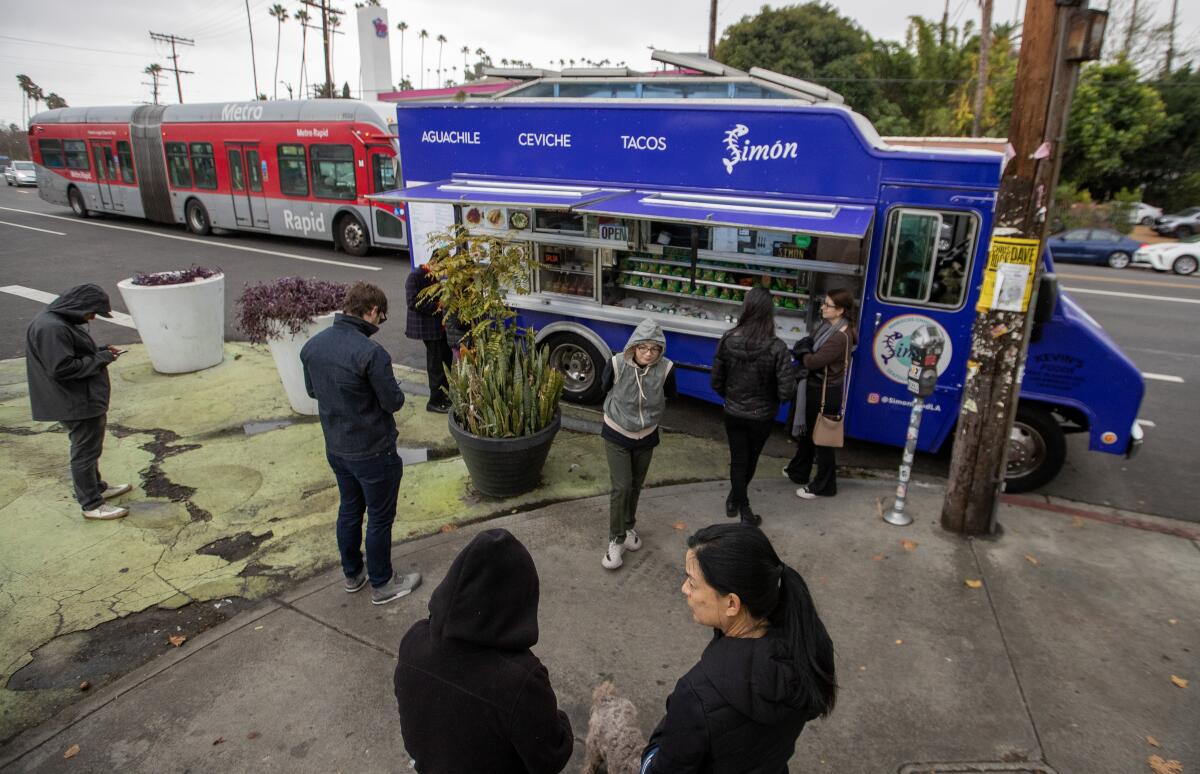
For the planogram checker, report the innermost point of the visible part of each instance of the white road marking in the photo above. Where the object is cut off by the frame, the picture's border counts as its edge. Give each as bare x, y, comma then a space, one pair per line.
1146, 423
1163, 378
209, 243
1145, 296
31, 228
118, 318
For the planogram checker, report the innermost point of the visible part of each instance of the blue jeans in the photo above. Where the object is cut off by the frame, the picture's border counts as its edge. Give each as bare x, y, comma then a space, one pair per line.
370, 486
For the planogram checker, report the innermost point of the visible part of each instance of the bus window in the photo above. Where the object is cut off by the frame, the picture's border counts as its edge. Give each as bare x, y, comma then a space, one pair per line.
252, 166
52, 154
177, 165
383, 173
76, 154
237, 177
927, 257
204, 167
127, 174
333, 171
293, 178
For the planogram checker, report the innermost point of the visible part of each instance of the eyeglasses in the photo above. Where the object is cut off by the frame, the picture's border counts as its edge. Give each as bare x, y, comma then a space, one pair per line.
382, 318
827, 305
648, 348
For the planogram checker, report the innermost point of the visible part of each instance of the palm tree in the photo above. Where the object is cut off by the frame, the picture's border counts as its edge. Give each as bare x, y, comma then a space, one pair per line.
335, 21
441, 40
280, 14
465, 51
423, 34
483, 56
53, 101
155, 72
303, 17
402, 27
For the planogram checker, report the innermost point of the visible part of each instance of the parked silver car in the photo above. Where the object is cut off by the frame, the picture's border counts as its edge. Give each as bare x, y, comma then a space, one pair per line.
1179, 224
21, 173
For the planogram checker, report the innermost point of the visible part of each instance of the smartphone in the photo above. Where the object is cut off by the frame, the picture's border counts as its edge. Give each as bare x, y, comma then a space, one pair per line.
120, 352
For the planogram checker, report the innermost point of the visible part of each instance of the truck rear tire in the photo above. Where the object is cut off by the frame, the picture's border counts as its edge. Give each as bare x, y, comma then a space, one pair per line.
581, 364
1037, 449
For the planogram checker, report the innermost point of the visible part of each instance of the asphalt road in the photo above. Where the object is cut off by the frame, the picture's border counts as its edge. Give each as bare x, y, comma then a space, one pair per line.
1151, 316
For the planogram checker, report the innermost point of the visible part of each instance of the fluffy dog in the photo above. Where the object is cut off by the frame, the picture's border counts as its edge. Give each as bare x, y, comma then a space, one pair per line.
614, 740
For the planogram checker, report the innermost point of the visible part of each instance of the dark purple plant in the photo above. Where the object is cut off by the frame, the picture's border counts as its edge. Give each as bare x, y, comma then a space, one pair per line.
285, 305
178, 277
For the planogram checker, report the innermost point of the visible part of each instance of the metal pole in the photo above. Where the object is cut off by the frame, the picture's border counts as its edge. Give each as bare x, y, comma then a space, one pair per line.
897, 517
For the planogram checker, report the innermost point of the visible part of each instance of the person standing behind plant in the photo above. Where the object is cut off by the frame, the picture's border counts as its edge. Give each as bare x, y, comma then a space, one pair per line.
426, 324
68, 383
637, 382
824, 357
356, 391
753, 372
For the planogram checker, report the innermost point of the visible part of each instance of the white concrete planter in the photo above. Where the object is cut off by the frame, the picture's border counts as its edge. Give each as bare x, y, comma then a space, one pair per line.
286, 351
182, 326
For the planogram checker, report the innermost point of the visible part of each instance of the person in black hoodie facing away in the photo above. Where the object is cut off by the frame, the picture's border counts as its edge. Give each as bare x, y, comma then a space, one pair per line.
768, 670
753, 371
472, 696
68, 383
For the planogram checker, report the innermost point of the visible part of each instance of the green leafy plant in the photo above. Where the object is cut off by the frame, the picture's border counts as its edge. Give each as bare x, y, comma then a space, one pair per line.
503, 385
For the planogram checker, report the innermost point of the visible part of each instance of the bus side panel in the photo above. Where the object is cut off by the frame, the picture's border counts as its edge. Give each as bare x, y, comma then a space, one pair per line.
149, 161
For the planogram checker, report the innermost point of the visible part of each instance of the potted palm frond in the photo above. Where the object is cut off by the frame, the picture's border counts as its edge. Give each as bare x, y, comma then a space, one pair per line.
284, 314
180, 316
503, 391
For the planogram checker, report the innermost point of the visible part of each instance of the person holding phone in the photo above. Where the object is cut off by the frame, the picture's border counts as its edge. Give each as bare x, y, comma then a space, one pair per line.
69, 384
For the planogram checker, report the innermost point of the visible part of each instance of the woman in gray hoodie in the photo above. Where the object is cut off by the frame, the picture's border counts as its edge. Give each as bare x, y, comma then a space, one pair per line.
637, 382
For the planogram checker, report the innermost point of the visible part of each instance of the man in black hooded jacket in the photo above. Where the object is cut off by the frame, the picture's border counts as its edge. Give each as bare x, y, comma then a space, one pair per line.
472, 696
68, 383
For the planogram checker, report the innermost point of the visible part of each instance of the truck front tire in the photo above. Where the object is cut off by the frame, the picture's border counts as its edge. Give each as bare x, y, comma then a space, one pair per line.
1037, 449
581, 364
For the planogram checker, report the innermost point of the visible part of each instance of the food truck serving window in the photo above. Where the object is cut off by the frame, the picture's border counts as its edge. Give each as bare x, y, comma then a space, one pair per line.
927, 257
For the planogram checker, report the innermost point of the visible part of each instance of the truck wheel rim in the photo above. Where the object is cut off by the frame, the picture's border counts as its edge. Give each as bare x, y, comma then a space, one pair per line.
576, 365
1026, 450
352, 234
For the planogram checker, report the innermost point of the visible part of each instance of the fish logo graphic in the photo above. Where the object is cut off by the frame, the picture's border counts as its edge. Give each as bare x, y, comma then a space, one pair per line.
731, 144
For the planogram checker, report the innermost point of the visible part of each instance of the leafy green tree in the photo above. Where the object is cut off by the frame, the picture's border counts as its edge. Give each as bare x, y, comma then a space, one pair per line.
1170, 168
1114, 119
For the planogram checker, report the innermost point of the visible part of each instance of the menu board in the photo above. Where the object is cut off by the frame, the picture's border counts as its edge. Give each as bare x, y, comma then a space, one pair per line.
425, 219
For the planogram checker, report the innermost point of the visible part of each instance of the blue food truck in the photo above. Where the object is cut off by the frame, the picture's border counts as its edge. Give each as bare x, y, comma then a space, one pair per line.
673, 210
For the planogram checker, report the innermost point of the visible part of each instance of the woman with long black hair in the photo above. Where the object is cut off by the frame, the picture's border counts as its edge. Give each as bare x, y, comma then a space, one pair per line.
768, 670
754, 373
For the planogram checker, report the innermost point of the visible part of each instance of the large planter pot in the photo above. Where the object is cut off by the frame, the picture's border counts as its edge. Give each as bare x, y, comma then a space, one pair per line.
505, 467
285, 350
182, 326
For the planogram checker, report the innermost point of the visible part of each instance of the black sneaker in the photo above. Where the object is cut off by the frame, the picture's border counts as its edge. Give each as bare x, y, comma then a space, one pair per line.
437, 408
731, 509
749, 516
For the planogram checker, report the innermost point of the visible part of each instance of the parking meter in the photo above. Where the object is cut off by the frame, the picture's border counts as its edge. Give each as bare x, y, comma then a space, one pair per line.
925, 349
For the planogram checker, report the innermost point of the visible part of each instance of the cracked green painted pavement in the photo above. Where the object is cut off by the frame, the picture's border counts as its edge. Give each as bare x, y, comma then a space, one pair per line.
217, 513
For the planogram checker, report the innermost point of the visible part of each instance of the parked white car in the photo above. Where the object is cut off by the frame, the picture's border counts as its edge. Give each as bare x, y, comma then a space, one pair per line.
1182, 257
21, 173
1145, 214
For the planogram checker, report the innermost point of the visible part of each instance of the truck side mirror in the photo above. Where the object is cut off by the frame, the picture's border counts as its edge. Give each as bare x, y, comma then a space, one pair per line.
1047, 299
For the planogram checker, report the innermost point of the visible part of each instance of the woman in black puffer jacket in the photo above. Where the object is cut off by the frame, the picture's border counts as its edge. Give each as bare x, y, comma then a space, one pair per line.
754, 373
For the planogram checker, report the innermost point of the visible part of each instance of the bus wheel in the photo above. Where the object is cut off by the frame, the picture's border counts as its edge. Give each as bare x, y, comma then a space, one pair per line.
581, 365
352, 236
1037, 448
76, 200
197, 219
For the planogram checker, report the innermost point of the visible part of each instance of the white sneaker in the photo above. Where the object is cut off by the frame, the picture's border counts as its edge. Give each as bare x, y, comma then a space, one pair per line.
612, 557
804, 494
115, 490
106, 513
632, 541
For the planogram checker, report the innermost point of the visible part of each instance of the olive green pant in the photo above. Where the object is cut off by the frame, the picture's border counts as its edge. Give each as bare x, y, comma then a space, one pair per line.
627, 472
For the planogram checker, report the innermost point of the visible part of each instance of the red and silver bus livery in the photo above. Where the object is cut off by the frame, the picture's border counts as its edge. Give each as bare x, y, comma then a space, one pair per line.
294, 168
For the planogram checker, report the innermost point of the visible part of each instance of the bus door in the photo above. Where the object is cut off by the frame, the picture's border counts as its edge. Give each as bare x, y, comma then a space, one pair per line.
388, 220
105, 162
246, 187
926, 261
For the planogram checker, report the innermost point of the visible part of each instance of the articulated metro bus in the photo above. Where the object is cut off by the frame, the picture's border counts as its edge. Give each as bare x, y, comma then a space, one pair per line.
295, 168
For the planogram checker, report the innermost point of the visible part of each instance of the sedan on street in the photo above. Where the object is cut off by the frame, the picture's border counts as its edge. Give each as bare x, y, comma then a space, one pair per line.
1179, 224
1182, 257
21, 173
1093, 245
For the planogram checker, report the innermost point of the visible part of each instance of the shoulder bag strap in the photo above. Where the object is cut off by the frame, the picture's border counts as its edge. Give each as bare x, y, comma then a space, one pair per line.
845, 379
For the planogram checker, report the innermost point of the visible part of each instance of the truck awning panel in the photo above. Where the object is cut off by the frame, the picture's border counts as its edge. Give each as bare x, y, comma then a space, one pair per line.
506, 193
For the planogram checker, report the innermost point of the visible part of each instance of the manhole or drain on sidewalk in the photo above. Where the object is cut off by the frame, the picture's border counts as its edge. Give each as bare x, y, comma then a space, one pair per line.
1022, 767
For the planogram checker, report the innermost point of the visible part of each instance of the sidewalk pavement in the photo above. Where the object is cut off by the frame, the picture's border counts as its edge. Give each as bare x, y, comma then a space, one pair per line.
1061, 660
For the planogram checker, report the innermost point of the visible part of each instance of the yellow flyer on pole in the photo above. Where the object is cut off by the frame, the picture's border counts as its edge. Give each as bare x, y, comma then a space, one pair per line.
1008, 278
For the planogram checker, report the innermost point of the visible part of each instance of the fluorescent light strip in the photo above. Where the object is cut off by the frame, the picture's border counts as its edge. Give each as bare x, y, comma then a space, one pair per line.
521, 186
651, 200
563, 194
671, 195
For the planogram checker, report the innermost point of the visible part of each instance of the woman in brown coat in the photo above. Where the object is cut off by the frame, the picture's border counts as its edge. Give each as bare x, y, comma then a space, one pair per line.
824, 356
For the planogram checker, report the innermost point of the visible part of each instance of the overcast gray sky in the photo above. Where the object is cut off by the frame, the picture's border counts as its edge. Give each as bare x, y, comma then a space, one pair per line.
92, 52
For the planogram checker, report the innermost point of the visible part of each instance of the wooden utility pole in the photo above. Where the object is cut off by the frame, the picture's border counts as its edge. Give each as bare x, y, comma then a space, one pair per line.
326, 30
1047, 70
253, 61
173, 39
712, 30
1171, 36
981, 79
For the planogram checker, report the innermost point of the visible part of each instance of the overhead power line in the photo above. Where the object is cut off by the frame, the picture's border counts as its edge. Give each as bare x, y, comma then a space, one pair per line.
56, 44
173, 40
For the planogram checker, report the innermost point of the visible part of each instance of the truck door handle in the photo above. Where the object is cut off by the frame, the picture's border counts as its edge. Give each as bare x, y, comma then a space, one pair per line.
961, 199
878, 316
